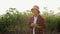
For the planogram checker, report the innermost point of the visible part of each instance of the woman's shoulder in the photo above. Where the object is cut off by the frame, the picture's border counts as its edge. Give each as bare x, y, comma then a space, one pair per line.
40, 16
30, 17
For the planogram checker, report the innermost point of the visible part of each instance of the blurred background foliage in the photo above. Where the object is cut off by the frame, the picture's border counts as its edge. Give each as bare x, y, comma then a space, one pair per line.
15, 20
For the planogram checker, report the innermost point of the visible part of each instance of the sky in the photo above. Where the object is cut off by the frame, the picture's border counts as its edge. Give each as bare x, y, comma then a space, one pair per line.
23, 5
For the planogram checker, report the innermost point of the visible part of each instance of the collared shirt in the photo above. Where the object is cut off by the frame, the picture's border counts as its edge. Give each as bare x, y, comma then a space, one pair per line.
35, 19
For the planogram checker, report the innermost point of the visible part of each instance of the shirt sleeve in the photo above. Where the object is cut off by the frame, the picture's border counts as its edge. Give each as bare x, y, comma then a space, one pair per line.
43, 23
29, 23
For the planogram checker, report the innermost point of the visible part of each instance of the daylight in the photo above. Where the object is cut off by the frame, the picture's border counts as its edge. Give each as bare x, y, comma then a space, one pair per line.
23, 5
29, 16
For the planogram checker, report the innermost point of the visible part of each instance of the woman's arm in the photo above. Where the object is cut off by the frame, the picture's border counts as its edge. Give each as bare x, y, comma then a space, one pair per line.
43, 23
29, 23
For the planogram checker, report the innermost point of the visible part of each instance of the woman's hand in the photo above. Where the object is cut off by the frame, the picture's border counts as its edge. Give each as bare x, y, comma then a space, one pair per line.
32, 25
37, 26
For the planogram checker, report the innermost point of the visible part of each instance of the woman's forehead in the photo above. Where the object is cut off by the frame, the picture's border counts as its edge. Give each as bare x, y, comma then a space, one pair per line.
33, 9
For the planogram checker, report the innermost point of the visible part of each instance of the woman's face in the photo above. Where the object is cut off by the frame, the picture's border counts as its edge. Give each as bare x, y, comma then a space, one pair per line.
34, 11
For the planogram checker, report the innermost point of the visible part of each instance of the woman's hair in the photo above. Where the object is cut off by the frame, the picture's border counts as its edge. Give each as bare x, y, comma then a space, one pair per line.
35, 9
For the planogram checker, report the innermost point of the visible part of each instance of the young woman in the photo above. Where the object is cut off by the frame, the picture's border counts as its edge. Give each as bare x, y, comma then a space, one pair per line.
36, 22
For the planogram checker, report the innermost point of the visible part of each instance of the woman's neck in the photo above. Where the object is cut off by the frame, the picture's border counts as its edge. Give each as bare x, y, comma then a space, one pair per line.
36, 15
